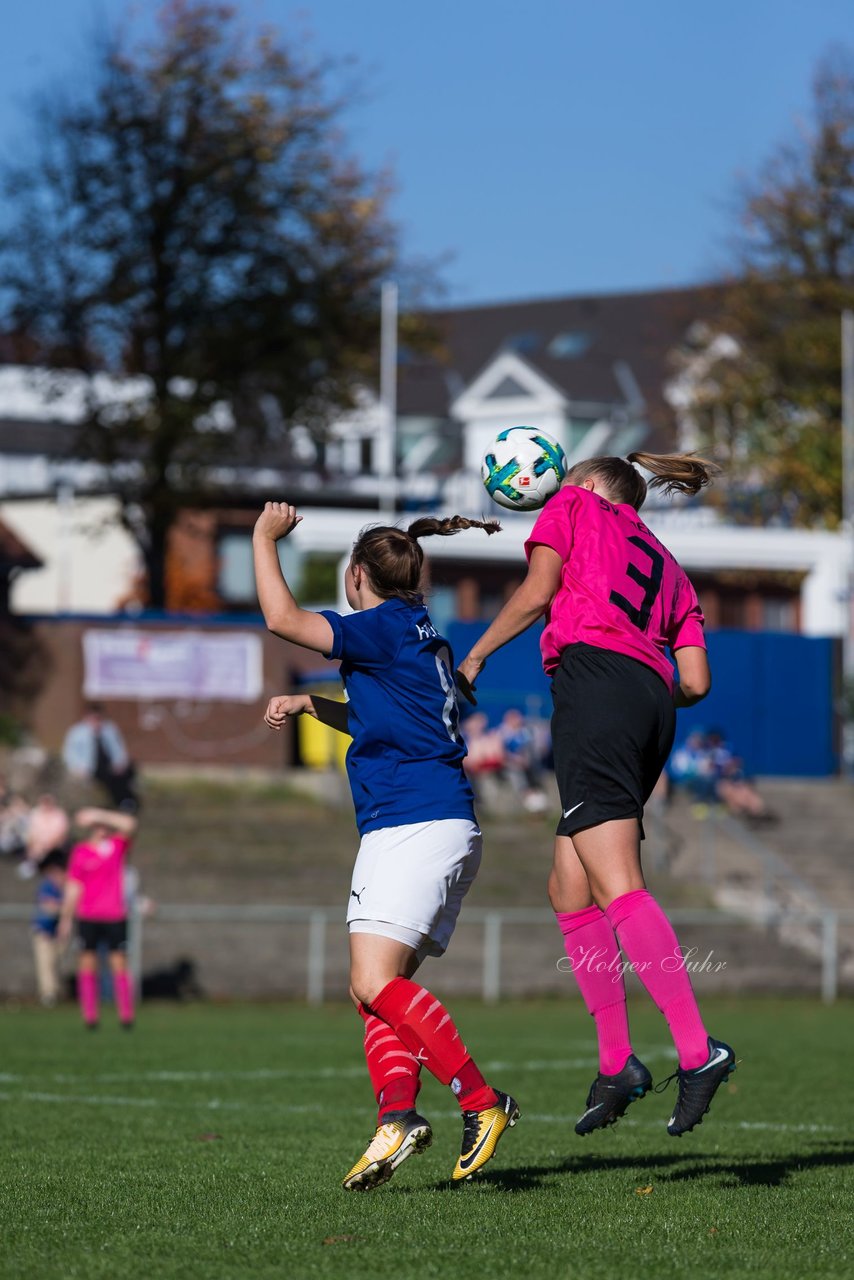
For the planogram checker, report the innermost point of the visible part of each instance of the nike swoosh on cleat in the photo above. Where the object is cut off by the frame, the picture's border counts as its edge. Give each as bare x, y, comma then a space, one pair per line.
567, 812
589, 1111
720, 1056
470, 1159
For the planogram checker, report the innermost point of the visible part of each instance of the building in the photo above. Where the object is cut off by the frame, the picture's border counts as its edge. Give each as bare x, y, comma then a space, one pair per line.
596, 372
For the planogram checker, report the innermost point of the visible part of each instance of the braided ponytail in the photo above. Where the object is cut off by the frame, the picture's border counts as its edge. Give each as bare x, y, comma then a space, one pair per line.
392, 557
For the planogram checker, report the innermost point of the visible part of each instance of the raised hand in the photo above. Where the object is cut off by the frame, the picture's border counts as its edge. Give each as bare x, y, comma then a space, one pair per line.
276, 521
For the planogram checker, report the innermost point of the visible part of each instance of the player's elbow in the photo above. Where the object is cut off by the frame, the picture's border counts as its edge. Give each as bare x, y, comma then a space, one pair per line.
695, 687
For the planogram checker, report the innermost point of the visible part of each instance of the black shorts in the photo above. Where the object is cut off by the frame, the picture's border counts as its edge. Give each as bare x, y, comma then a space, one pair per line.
113, 934
612, 731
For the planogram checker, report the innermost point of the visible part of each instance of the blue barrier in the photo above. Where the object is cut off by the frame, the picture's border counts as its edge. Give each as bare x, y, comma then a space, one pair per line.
773, 695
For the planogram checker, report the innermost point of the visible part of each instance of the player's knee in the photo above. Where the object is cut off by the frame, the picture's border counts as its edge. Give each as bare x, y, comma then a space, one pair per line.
365, 985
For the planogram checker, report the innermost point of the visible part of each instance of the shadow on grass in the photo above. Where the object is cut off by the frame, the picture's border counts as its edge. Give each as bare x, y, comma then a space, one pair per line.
745, 1171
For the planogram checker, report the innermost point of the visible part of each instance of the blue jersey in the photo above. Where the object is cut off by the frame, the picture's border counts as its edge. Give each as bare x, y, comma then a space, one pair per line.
405, 763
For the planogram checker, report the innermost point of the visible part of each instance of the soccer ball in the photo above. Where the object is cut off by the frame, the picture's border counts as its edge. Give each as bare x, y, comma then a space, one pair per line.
523, 468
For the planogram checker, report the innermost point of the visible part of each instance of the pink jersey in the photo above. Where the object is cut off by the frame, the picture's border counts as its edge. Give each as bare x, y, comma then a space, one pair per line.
620, 588
99, 868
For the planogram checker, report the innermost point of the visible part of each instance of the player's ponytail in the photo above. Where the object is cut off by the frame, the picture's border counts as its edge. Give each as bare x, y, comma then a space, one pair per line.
677, 472
673, 472
426, 526
392, 557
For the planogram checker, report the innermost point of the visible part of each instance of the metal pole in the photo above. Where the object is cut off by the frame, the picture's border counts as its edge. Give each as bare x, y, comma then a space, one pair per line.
492, 957
829, 957
388, 398
135, 946
316, 957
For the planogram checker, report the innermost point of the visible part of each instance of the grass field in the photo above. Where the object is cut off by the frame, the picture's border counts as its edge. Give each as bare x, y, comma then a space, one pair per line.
210, 1142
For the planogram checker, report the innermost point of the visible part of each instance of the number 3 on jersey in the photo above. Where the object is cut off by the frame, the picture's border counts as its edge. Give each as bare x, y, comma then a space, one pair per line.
650, 581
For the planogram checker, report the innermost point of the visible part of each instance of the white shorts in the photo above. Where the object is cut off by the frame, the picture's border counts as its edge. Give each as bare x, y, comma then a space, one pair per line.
409, 882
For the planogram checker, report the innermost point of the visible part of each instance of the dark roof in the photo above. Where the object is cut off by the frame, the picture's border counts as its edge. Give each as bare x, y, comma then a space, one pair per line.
595, 333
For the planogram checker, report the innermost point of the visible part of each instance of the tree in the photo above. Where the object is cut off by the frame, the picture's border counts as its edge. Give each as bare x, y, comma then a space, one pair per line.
194, 225
767, 394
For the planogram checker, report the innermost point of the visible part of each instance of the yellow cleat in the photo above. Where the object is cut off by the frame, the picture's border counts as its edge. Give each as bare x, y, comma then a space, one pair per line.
402, 1134
481, 1132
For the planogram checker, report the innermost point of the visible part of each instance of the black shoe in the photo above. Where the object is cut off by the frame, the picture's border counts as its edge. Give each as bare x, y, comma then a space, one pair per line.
697, 1087
610, 1096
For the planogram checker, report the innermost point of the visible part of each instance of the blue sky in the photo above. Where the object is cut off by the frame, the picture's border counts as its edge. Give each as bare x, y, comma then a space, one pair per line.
540, 148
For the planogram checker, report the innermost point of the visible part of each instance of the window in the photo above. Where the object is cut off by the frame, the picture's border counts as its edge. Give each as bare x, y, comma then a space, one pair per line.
523, 342
567, 346
779, 614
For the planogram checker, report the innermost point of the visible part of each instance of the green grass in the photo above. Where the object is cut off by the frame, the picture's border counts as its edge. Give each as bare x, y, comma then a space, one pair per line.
210, 1143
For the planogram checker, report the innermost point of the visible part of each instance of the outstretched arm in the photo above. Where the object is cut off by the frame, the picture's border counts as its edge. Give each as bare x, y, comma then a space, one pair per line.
326, 710
528, 602
125, 823
282, 614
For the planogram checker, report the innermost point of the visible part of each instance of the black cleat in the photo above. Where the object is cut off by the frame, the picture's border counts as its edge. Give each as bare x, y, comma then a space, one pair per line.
697, 1087
610, 1096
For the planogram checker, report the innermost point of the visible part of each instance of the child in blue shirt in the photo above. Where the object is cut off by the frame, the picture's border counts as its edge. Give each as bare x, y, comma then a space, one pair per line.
46, 948
420, 843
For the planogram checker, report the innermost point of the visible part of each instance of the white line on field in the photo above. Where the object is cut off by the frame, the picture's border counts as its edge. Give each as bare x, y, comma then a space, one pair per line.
216, 1104
320, 1073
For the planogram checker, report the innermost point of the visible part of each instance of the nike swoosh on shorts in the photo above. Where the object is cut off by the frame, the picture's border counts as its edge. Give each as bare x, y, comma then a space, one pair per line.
567, 812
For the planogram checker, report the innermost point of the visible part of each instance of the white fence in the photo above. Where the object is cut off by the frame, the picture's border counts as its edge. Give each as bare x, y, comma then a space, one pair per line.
492, 922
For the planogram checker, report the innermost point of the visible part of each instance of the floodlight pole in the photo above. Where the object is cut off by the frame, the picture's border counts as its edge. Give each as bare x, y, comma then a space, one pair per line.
387, 462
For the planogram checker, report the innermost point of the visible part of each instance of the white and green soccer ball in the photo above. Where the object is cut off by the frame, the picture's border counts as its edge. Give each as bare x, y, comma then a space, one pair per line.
523, 468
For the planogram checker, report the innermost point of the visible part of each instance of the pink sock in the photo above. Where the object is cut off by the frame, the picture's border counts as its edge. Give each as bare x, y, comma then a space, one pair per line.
647, 938
87, 994
594, 955
123, 993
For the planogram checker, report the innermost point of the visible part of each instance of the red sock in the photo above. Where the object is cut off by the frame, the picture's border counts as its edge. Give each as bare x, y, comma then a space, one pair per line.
427, 1030
395, 1074
87, 994
647, 937
593, 952
123, 993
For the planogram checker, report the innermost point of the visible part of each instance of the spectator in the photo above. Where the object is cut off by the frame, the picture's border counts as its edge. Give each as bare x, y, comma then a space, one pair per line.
691, 767
485, 750
46, 948
521, 760
14, 819
94, 748
706, 766
95, 897
48, 829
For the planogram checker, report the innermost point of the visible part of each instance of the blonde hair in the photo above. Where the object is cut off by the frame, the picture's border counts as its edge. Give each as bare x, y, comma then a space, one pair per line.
392, 557
672, 472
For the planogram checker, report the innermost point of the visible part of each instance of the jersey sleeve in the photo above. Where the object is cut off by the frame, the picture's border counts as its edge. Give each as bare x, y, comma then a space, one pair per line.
364, 639
554, 525
687, 623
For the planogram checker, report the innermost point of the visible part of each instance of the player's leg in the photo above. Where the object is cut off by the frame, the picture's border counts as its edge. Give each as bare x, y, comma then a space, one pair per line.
410, 882
47, 967
593, 955
122, 981
394, 1073
87, 982
610, 854
425, 1027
